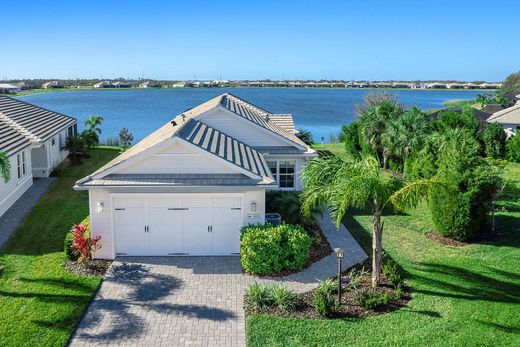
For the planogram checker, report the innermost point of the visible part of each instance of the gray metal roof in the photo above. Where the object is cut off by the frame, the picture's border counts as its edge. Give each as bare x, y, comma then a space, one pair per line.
22, 123
258, 116
177, 180
225, 147
279, 150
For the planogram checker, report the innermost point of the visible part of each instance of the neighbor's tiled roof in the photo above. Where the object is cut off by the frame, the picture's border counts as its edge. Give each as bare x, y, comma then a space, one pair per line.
509, 115
29, 122
284, 121
258, 116
225, 147
173, 180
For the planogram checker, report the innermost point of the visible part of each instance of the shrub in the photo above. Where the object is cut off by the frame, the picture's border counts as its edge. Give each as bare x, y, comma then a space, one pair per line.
494, 138
258, 294
267, 249
351, 133
392, 272
374, 299
83, 245
67, 247
283, 298
399, 292
513, 148
324, 301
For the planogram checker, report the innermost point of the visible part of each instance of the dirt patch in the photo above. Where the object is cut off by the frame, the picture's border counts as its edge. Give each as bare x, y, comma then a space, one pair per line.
350, 301
443, 240
97, 267
320, 248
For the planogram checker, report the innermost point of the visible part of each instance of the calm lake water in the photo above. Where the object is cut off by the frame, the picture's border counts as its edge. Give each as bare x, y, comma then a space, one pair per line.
322, 111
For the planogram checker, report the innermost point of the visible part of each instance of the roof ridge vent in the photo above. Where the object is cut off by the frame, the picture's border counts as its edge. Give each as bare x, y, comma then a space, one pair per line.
20, 128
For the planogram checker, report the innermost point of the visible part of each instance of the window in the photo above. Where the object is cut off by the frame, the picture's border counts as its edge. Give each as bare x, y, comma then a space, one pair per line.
286, 174
283, 172
21, 165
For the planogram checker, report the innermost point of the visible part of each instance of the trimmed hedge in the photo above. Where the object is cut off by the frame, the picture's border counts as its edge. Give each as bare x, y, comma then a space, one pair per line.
267, 249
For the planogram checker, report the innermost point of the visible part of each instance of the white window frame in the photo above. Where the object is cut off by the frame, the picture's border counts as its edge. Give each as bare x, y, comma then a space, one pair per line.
21, 165
277, 174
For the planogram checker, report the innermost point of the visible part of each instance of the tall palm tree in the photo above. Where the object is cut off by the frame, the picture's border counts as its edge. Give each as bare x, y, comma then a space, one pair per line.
92, 131
344, 185
5, 167
413, 128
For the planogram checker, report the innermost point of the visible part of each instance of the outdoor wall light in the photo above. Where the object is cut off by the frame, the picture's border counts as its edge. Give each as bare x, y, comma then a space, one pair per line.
100, 206
253, 206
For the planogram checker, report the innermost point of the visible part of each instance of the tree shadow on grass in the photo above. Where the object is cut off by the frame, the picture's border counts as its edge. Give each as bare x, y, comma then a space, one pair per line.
456, 282
502, 327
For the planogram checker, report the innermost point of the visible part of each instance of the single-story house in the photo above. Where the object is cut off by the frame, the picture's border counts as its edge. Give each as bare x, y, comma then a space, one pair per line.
52, 85
149, 84
188, 188
103, 84
33, 138
509, 118
7, 88
122, 84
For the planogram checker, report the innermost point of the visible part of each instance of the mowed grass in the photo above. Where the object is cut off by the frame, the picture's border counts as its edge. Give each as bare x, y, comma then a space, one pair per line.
464, 296
41, 303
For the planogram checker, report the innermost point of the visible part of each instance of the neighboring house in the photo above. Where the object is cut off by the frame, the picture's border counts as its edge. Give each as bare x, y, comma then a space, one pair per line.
52, 85
492, 108
122, 84
479, 114
509, 118
7, 88
103, 84
149, 84
191, 185
33, 138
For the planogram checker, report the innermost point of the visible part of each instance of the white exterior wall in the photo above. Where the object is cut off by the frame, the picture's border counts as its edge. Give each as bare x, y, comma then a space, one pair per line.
49, 155
178, 158
101, 223
14, 188
241, 129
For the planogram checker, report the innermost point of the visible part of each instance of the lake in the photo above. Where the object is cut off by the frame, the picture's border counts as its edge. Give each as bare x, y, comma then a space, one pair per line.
322, 111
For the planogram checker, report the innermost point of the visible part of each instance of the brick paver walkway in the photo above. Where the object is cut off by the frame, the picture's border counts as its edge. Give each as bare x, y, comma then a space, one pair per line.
177, 301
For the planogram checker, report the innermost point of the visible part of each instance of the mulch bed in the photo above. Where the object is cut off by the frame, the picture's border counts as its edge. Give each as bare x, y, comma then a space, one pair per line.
320, 248
432, 235
350, 306
96, 267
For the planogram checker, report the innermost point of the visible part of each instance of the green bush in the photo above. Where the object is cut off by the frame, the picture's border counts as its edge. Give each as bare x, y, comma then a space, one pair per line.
258, 294
67, 247
352, 144
283, 298
399, 292
494, 138
392, 272
267, 249
324, 301
374, 299
513, 148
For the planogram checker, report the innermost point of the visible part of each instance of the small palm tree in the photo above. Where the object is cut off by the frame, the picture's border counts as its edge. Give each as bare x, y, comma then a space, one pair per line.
92, 131
5, 167
344, 185
483, 99
306, 136
75, 144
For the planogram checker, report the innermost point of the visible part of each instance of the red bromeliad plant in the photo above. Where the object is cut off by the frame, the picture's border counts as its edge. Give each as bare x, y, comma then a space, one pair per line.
83, 245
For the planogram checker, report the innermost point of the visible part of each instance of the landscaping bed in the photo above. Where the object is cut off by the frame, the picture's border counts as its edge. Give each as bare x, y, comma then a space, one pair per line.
96, 267
350, 305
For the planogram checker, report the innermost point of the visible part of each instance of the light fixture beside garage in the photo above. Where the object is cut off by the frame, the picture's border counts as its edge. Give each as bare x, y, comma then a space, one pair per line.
99, 206
253, 206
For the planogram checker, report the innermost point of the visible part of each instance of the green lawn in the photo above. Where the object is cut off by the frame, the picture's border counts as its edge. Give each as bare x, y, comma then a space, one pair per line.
459, 103
335, 148
40, 303
461, 296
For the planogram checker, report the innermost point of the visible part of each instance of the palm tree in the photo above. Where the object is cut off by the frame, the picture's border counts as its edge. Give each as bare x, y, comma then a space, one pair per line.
5, 167
483, 99
92, 131
306, 136
75, 144
344, 185
413, 128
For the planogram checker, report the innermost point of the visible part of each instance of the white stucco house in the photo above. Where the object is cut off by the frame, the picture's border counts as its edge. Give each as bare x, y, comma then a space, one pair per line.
33, 138
189, 187
509, 118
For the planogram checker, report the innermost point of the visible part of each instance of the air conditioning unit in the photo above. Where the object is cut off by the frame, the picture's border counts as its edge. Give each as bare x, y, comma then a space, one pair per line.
273, 218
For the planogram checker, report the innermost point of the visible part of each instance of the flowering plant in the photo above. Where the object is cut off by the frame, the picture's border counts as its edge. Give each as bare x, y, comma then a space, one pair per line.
83, 245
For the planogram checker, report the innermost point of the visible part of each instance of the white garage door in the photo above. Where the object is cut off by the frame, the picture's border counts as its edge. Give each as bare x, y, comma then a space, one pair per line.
176, 225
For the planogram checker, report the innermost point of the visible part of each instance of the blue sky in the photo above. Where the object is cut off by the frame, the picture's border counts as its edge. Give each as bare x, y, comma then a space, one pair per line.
467, 40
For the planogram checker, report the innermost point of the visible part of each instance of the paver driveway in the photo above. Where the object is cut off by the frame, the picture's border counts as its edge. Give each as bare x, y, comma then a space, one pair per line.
176, 301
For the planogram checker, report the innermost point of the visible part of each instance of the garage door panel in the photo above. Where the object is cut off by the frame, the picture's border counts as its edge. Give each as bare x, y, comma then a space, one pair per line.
130, 202
165, 231
130, 234
196, 238
202, 202
231, 202
226, 230
160, 202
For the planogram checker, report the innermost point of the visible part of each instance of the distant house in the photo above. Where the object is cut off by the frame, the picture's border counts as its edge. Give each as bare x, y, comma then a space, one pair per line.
52, 85
401, 85
194, 84
33, 138
509, 118
103, 84
180, 84
150, 84
471, 86
455, 86
490, 86
122, 84
6, 88
436, 85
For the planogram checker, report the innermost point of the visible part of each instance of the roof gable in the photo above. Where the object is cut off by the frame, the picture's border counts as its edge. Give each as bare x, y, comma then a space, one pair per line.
509, 115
